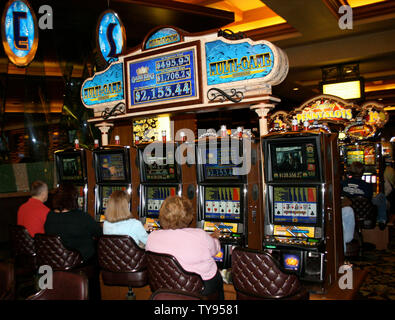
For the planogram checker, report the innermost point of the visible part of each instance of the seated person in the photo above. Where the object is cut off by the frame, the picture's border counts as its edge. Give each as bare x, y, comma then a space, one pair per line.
348, 220
119, 220
76, 228
33, 213
389, 187
355, 186
193, 248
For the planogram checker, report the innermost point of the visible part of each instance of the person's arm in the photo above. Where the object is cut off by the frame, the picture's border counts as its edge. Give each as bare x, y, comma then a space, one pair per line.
213, 243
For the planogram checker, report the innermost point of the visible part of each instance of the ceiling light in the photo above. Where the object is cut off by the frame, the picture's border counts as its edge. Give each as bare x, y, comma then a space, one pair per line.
345, 90
295, 89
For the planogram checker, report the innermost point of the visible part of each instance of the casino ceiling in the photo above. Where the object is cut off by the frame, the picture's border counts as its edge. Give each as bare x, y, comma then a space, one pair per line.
308, 31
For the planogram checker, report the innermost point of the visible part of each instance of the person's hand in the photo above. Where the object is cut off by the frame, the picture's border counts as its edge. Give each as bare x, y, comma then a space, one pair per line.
147, 227
215, 234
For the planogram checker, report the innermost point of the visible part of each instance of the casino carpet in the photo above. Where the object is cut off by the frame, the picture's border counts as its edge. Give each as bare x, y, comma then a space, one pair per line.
380, 282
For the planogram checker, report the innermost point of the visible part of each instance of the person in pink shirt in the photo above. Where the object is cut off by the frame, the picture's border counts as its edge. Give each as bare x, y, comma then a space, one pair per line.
193, 248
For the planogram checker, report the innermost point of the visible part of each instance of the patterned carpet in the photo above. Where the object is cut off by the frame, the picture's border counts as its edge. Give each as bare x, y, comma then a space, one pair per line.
380, 282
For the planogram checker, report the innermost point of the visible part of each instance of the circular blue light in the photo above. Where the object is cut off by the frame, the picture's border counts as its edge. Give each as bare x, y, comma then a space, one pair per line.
108, 37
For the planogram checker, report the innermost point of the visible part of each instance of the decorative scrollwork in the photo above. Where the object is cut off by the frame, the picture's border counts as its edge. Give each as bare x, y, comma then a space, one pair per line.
214, 93
119, 108
230, 35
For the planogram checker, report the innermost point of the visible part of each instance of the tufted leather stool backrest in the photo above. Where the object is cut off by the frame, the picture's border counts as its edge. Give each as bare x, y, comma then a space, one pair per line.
7, 281
52, 252
365, 212
164, 272
23, 247
21, 241
66, 286
257, 275
118, 253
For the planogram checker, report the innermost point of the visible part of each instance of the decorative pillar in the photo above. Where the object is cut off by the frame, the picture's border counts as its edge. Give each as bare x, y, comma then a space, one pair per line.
104, 128
262, 110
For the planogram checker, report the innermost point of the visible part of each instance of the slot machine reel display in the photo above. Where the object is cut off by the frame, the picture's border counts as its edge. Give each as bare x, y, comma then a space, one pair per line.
71, 168
112, 169
222, 195
299, 206
160, 177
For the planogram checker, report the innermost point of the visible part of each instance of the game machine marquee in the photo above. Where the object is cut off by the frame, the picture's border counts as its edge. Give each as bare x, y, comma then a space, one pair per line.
112, 169
71, 168
160, 177
299, 218
222, 194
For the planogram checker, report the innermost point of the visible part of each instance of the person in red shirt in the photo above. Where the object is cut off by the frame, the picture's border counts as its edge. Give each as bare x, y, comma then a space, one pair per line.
33, 213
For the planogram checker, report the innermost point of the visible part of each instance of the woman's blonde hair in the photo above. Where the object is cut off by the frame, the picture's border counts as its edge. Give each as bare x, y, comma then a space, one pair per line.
118, 207
175, 213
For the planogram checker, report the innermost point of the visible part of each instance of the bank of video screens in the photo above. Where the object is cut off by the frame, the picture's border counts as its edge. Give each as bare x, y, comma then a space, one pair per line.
112, 167
294, 161
155, 195
363, 154
222, 203
295, 205
160, 168
217, 162
71, 168
106, 192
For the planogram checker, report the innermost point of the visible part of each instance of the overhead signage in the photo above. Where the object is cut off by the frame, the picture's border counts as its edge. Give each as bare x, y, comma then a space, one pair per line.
324, 109
162, 78
360, 131
111, 35
237, 62
104, 87
162, 37
19, 31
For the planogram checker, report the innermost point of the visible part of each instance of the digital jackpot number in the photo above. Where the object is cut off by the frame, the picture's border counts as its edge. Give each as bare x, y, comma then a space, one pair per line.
158, 93
183, 60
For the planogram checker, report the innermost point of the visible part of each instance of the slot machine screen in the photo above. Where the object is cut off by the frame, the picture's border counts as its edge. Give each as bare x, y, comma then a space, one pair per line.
369, 156
294, 160
106, 192
291, 261
354, 156
220, 163
223, 203
81, 197
160, 168
295, 205
154, 197
71, 168
111, 167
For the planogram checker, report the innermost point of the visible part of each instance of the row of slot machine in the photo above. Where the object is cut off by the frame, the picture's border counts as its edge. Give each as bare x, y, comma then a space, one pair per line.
220, 193
291, 207
375, 155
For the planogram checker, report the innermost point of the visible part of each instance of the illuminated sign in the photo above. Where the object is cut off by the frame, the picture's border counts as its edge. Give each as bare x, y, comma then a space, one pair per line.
19, 32
324, 110
344, 90
105, 87
163, 78
236, 62
162, 37
111, 35
360, 131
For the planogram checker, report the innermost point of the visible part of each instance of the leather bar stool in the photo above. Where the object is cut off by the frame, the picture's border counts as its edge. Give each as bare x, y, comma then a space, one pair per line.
23, 250
165, 272
165, 294
7, 281
258, 276
66, 286
122, 263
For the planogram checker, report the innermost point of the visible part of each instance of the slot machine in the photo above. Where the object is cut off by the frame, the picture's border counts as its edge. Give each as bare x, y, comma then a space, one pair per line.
371, 156
112, 171
160, 177
222, 194
71, 167
302, 222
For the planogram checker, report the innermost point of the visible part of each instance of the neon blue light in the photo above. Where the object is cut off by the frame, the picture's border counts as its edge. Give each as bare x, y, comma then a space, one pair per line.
20, 41
110, 36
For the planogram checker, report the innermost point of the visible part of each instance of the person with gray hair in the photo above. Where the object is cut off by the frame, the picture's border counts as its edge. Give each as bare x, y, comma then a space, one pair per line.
33, 213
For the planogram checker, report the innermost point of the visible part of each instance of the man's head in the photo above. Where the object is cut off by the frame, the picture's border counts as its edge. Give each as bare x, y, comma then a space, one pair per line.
39, 190
357, 169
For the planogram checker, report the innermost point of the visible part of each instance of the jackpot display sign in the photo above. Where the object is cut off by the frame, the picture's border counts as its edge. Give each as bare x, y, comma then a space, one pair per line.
19, 32
165, 78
